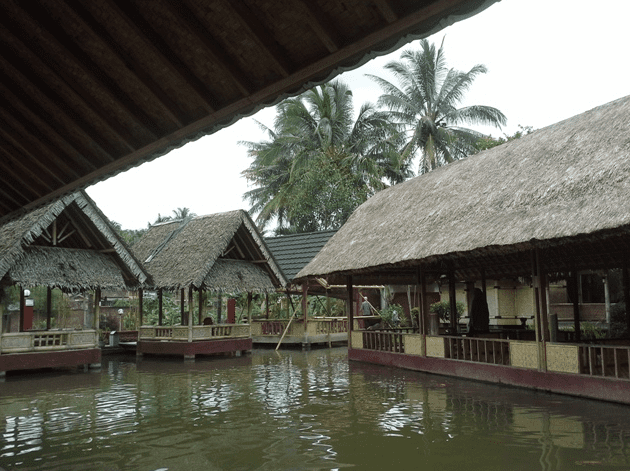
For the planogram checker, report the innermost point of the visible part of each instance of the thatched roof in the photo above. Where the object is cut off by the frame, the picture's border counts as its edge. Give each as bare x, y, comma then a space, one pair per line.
565, 184
75, 233
75, 269
183, 253
231, 275
92, 88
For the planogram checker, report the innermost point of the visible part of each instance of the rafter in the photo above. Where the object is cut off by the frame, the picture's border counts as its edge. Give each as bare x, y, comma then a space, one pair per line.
99, 31
213, 49
320, 24
259, 34
143, 29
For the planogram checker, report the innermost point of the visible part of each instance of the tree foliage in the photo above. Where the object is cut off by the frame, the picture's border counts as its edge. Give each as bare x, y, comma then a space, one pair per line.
319, 162
488, 142
424, 103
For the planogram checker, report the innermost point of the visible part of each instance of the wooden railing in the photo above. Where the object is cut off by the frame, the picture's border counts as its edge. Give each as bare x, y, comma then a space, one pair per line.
199, 332
331, 325
21, 342
383, 341
479, 350
607, 361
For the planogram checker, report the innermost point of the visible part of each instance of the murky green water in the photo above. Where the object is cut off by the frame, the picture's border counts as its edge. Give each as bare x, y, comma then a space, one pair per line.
296, 411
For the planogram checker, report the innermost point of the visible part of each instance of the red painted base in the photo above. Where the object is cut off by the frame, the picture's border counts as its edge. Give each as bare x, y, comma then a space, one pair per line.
30, 361
190, 349
572, 384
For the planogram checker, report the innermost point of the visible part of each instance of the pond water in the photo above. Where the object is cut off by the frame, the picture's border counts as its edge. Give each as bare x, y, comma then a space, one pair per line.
295, 410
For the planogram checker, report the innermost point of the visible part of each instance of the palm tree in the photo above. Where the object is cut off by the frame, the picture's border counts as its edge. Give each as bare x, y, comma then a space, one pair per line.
318, 128
183, 213
425, 105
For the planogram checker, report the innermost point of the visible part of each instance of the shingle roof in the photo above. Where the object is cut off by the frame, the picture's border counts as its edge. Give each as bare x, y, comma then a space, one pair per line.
294, 252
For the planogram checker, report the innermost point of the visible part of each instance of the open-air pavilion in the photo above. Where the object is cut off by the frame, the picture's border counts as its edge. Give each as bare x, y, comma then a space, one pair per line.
550, 204
67, 245
220, 253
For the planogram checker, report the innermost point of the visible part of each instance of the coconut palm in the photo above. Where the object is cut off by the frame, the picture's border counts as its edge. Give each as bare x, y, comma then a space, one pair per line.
318, 129
425, 104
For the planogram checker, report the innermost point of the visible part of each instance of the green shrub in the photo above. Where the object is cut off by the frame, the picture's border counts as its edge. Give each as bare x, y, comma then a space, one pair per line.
443, 310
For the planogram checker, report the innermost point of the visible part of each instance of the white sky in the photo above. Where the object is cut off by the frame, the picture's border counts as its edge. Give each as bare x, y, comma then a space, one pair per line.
547, 60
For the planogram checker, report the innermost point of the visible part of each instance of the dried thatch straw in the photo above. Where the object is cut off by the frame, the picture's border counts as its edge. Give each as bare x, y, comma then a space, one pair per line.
66, 269
179, 254
563, 181
31, 265
238, 276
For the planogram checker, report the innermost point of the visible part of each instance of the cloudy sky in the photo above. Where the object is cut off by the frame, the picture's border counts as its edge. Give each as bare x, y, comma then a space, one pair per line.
547, 61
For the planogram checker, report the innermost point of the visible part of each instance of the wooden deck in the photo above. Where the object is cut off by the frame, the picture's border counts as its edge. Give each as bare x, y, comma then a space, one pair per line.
587, 370
48, 349
318, 331
196, 340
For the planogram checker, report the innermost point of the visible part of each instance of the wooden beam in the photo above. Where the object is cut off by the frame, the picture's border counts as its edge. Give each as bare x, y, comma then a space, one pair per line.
320, 24
88, 21
51, 32
68, 97
386, 10
134, 20
259, 34
217, 53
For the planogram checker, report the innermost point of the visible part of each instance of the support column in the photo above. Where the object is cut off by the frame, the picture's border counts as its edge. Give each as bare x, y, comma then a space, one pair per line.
97, 308
200, 306
21, 320
572, 284
423, 321
541, 324
190, 314
305, 342
219, 306
452, 300
160, 307
140, 299
350, 309
49, 309
266, 307
626, 290
182, 302
250, 298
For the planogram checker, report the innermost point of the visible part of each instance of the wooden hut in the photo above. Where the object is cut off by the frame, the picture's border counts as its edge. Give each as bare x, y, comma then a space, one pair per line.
219, 253
68, 245
550, 204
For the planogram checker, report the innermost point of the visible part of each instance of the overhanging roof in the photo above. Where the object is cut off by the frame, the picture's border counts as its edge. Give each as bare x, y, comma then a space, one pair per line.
90, 89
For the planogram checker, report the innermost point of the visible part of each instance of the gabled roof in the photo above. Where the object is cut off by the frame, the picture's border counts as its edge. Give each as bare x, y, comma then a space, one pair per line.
565, 187
67, 244
293, 252
91, 88
199, 252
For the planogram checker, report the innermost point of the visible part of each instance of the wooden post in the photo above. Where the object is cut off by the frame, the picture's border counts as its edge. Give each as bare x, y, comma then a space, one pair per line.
21, 320
219, 306
483, 283
423, 321
266, 306
350, 309
182, 301
160, 310
140, 295
305, 303
190, 313
200, 306
97, 308
250, 298
49, 308
626, 289
540, 310
452, 300
573, 292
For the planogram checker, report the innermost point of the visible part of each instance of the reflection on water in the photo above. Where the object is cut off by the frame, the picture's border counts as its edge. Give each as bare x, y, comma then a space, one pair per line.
299, 411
